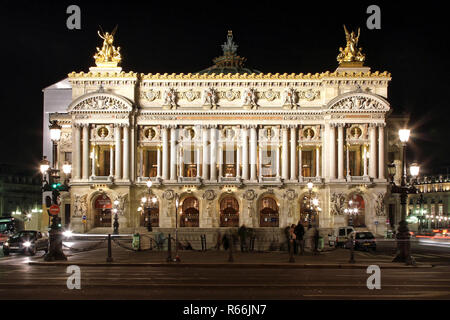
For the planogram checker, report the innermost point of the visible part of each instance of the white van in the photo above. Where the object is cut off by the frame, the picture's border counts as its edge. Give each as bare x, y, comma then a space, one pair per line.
340, 236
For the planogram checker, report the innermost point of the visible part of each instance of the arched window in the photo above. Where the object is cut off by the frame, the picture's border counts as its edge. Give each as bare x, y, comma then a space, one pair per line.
229, 212
102, 208
269, 213
189, 215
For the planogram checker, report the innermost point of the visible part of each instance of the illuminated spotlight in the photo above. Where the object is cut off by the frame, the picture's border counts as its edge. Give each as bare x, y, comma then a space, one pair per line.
27, 244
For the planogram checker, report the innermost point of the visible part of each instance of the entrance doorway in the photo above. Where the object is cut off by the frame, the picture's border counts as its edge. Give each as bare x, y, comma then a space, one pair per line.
356, 206
229, 212
269, 213
102, 207
189, 215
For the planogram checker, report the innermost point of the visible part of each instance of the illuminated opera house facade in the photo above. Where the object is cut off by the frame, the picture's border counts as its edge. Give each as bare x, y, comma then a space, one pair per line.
237, 146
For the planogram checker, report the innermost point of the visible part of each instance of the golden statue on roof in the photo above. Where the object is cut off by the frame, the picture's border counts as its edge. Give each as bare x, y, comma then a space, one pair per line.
108, 56
351, 55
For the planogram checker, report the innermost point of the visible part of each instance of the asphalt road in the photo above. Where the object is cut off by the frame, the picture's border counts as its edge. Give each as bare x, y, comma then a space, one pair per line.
18, 280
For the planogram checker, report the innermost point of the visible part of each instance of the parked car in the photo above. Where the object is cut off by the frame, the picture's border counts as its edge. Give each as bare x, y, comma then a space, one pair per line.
364, 240
340, 236
26, 242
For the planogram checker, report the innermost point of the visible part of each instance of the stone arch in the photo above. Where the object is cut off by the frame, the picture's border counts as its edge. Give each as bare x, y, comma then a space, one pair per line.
360, 201
100, 102
230, 210
358, 101
307, 217
268, 210
93, 211
189, 211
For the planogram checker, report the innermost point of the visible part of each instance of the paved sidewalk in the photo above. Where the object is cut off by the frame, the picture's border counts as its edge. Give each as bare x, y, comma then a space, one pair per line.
334, 258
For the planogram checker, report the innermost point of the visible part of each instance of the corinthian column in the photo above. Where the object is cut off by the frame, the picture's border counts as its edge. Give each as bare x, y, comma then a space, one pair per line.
205, 153
165, 153
85, 152
341, 151
94, 154
285, 161
244, 153
173, 155
332, 151
213, 167
253, 142
381, 151
111, 160
365, 159
77, 171
158, 161
317, 161
293, 146
118, 147
126, 152
373, 151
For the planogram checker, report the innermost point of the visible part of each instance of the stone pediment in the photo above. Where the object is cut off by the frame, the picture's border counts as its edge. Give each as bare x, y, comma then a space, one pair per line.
358, 102
100, 102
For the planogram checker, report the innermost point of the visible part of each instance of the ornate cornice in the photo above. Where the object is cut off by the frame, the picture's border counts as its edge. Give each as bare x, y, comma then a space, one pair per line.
104, 74
268, 76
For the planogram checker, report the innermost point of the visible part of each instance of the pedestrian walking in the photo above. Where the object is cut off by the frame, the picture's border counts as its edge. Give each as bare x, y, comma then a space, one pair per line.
299, 233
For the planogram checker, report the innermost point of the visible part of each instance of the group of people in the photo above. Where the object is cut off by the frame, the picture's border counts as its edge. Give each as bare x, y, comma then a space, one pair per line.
296, 234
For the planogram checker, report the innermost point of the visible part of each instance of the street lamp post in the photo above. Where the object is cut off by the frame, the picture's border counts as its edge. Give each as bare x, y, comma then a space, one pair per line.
116, 217
177, 203
403, 236
147, 203
55, 234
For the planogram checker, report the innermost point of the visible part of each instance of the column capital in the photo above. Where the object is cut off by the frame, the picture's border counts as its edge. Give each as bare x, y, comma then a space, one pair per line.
78, 125
381, 125
373, 125
341, 125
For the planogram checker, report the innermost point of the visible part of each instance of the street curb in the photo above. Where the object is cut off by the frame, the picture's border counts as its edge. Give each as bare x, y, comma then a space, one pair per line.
229, 265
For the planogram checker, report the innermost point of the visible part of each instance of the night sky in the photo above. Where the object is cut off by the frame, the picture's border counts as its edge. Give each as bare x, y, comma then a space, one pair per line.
38, 50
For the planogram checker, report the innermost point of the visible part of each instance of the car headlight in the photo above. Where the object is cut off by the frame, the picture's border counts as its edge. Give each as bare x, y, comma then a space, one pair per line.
27, 244
67, 234
6, 244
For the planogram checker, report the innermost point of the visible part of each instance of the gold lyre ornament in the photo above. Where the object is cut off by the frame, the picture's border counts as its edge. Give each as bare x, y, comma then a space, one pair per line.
108, 56
351, 55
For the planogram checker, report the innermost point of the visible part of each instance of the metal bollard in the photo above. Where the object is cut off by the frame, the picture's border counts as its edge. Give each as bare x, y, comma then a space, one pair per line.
203, 238
109, 258
169, 248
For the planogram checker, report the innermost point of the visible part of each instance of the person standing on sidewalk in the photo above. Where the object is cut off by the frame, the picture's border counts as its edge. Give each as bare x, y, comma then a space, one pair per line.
292, 238
299, 233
